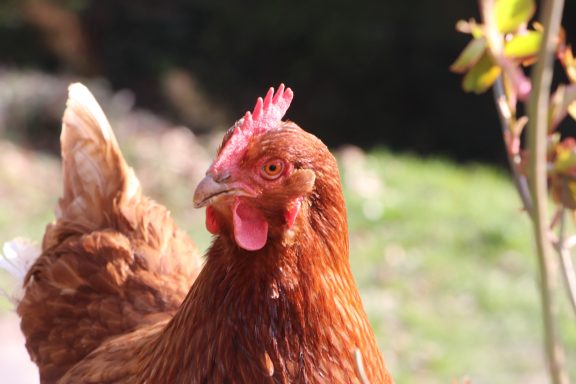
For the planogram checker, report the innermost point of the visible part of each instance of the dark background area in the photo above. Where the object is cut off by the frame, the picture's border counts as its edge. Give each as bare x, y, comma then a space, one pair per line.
366, 72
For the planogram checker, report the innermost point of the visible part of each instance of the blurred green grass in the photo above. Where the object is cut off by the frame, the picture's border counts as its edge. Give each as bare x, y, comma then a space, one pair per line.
442, 255
444, 259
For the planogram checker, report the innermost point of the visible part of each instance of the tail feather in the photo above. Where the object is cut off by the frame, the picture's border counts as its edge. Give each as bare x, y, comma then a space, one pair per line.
16, 258
95, 172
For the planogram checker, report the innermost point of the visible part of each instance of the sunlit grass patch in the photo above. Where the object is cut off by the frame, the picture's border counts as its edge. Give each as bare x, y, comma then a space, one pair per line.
445, 254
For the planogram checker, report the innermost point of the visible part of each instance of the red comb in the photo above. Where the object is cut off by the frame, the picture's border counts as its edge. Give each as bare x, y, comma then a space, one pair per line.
267, 115
268, 112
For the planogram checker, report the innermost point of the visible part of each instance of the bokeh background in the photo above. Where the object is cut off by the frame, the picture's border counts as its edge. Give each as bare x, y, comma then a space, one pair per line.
440, 250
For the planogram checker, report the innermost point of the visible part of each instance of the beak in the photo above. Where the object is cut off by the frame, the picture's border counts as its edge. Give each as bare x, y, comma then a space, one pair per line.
207, 190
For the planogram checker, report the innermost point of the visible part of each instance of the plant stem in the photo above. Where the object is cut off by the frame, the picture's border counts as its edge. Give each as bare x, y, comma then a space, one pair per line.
566, 261
504, 113
569, 275
537, 177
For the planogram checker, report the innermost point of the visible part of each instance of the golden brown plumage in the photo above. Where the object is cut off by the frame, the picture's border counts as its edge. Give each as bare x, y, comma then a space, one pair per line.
113, 261
274, 303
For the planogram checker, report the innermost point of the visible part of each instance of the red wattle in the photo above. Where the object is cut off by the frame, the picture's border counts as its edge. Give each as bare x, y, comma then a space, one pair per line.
211, 222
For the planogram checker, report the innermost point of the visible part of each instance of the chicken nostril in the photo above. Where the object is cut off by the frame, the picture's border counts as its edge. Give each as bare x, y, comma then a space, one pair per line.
221, 177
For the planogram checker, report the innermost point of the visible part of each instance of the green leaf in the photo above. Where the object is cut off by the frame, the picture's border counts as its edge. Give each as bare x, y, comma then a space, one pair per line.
482, 75
469, 56
523, 46
511, 14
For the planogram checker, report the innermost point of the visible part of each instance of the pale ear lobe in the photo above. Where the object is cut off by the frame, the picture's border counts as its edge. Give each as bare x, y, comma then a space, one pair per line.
302, 181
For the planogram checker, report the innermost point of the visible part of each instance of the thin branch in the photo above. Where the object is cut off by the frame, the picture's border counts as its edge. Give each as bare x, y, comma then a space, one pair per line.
566, 262
514, 74
557, 219
569, 275
561, 246
504, 113
537, 175
491, 31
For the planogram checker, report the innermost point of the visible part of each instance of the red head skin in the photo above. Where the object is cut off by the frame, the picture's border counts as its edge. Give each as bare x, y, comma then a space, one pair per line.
239, 177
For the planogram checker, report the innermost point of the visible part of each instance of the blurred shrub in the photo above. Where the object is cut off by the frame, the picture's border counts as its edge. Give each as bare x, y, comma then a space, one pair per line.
364, 72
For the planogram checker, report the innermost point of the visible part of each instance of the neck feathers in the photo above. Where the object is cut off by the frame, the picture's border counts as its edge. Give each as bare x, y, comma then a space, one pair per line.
287, 313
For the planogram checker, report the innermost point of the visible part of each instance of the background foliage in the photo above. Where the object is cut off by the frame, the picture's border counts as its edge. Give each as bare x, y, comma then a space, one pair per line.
383, 62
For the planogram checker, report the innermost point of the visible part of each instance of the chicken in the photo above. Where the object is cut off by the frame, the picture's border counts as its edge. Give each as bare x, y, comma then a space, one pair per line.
275, 301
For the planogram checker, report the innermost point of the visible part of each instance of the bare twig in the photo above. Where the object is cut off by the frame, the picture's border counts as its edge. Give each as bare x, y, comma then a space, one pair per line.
569, 275
534, 193
496, 48
502, 106
537, 175
557, 219
519, 179
492, 35
566, 262
560, 245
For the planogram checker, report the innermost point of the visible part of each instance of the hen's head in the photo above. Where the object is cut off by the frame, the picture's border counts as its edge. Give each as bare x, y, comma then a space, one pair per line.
264, 175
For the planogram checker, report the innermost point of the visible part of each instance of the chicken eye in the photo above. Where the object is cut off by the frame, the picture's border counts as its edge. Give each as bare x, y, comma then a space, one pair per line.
272, 169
